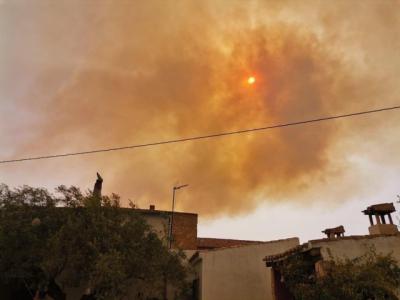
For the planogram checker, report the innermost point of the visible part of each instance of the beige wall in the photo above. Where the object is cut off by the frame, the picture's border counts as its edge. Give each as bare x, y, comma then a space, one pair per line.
351, 247
239, 272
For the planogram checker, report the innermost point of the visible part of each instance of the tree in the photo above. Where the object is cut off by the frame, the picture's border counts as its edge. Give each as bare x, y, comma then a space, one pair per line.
49, 243
368, 277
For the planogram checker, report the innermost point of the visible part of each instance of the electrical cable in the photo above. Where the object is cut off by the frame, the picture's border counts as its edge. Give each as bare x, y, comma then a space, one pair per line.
201, 137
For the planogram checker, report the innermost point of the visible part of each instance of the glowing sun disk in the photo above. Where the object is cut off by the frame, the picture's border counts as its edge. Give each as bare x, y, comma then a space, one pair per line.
251, 80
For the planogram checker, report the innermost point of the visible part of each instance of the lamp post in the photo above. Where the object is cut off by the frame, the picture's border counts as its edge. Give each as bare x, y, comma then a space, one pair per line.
172, 212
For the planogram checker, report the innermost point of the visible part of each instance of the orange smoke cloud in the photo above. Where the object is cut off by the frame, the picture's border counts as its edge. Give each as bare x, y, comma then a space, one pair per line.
141, 72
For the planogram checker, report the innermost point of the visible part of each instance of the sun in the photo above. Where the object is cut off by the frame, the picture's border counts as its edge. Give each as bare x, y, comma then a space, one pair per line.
251, 80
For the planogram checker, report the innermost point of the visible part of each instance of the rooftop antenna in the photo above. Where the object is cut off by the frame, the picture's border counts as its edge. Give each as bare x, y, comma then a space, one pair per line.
175, 188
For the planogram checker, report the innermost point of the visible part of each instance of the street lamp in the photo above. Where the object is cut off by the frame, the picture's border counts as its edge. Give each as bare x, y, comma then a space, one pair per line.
172, 211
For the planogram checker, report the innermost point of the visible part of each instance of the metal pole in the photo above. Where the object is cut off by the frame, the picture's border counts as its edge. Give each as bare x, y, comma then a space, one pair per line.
172, 213
172, 217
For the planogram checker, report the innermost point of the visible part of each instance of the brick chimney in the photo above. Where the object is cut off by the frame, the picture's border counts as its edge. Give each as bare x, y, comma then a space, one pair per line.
382, 226
152, 207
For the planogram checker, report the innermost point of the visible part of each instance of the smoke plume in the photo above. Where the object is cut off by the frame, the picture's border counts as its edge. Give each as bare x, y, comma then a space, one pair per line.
115, 73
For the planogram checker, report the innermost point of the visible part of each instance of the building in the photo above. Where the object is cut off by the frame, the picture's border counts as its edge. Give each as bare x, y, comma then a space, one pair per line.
223, 268
384, 237
235, 271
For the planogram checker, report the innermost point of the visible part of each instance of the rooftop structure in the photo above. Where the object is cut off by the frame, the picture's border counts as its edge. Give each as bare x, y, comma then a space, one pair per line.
381, 211
383, 237
335, 232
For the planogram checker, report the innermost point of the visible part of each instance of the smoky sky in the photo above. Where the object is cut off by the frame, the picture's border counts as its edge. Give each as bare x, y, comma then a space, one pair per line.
82, 75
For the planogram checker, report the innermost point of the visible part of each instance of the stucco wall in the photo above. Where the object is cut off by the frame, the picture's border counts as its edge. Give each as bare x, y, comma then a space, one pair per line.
239, 272
351, 247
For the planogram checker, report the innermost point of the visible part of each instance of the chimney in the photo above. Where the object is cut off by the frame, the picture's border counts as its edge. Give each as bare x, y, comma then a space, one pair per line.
334, 233
152, 207
380, 212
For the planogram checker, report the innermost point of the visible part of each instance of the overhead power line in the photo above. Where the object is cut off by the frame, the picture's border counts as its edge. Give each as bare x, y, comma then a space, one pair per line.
201, 137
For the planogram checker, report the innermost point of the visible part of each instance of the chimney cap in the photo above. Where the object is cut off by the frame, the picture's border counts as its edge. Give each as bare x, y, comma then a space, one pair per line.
379, 209
339, 229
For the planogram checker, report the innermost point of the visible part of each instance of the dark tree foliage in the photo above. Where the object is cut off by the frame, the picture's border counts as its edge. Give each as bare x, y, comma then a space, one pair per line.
49, 243
368, 277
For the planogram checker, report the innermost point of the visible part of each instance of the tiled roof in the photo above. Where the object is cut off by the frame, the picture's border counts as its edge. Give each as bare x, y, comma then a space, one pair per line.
296, 249
213, 243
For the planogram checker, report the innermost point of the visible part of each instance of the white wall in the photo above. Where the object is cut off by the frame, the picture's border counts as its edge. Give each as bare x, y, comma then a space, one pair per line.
239, 272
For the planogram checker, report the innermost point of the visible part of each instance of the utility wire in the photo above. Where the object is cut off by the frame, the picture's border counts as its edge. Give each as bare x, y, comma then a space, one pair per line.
201, 137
